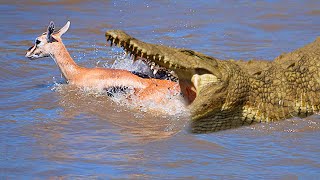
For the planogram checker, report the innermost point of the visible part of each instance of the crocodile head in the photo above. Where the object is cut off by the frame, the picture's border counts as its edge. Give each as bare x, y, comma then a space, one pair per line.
203, 79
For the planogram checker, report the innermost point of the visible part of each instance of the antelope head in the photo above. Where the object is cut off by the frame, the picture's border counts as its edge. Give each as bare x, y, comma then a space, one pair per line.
46, 43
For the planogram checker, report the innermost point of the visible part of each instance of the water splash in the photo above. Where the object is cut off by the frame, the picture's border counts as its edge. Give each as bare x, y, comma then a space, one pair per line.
171, 105
124, 61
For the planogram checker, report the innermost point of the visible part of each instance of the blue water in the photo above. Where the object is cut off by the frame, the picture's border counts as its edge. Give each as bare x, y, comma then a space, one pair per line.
49, 130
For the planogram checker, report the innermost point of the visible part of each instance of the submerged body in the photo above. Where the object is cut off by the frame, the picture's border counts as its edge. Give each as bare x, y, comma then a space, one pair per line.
99, 79
102, 79
224, 94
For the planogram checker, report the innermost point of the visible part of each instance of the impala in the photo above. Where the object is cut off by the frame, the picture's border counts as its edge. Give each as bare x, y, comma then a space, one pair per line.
50, 44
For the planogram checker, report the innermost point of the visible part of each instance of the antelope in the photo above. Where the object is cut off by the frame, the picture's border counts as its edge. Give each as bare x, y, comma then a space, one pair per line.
50, 44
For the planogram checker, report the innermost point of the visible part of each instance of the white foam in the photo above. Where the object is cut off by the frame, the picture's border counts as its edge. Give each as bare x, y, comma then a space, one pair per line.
170, 105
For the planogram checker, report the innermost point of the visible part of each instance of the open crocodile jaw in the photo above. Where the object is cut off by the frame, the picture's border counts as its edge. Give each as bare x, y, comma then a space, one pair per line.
198, 74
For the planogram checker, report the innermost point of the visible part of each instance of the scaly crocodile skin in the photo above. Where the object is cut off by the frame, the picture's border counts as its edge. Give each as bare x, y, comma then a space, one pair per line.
224, 94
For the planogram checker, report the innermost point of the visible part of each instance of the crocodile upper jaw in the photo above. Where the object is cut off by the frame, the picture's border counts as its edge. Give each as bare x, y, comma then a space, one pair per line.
194, 70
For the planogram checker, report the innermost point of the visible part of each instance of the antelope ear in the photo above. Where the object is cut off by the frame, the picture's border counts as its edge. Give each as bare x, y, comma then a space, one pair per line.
64, 29
50, 31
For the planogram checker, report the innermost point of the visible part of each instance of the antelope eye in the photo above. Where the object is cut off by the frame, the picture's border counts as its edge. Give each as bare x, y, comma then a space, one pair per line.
38, 42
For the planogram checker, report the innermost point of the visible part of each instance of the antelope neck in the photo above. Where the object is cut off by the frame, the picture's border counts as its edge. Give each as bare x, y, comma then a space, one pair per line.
66, 64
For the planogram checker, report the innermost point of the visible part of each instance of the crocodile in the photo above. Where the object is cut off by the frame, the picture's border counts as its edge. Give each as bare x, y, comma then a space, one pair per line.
224, 94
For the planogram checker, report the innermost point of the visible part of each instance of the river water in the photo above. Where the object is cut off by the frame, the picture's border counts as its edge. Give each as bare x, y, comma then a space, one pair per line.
50, 130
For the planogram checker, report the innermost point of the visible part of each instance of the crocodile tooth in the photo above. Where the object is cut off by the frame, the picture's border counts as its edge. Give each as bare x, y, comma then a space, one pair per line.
161, 58
155, 71
112, 42
127, 46
134, 44
116, 42
157, 57
152, 66
108, 38
165, 60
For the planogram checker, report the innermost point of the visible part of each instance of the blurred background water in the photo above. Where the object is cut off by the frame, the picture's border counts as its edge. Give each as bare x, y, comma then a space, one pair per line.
49, 130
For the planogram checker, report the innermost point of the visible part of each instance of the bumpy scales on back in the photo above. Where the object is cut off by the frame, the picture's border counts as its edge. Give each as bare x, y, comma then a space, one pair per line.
224, 94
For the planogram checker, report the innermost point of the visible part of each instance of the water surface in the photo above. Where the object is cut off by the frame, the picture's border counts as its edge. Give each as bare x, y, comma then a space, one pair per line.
49, 130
